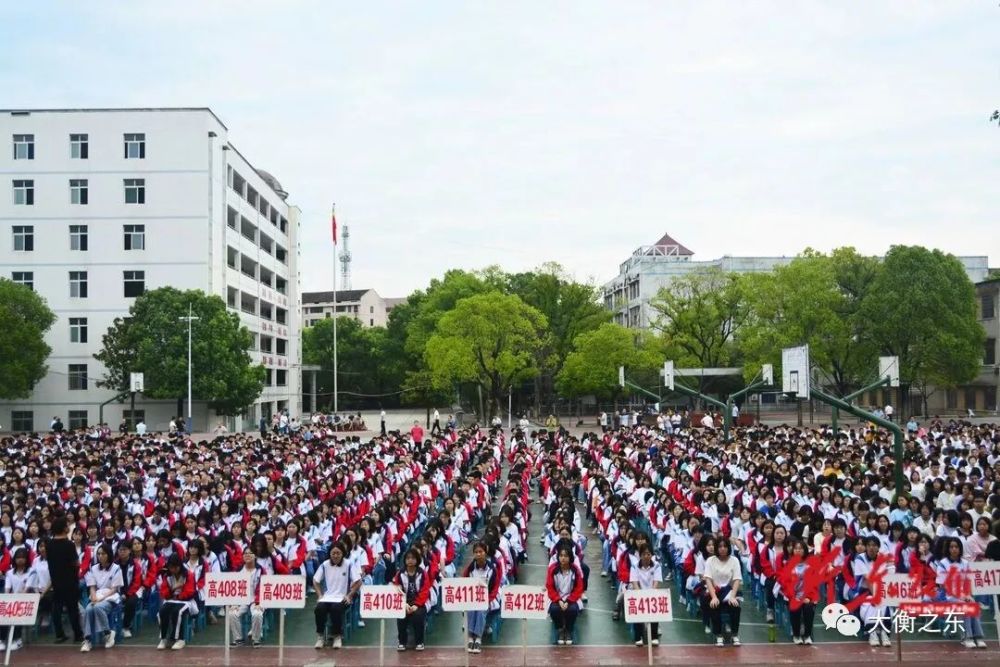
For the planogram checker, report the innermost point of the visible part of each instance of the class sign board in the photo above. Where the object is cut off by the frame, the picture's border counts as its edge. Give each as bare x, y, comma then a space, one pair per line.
382, 602
282, 591
228, 588
528, 602
985, 577
651, 605
19, 608
464, 594
899, 588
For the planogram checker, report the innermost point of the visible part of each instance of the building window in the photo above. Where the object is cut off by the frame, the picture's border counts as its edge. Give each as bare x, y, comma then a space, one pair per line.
22, 421
78, 329
26, 278
135, 283
990, 356
268, 377
991, 397
78, 237
133, 417
987, 309
78, 284
78, 191
951, 399
78, 377
135, 146
970, 398
24, 193
135, 191
135, 237
78, 148
24, 238
24, 147
282, 378
77, 419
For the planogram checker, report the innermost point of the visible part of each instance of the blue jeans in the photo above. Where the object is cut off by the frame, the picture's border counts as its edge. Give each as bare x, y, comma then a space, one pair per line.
477, 623
95, 618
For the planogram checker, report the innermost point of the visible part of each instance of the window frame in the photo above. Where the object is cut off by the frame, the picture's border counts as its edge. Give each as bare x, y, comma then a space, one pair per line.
139, 186
26, 235
81, 281
131, 232
18, 278
79, 191
77, 377
73, 420
78, 330
26, 141
17, 419
137, 277
80, 235
135, 140
81, 142
26, 187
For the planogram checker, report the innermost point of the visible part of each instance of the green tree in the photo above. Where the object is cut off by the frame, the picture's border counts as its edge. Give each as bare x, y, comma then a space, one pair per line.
153, 340
360, 353
699, 315
24, 319
490, 339
591, 368
815, 300
922, 308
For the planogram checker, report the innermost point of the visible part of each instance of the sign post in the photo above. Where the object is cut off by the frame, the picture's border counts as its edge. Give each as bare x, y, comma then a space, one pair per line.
986, 581
648, 606
281, 592
17, 609
464, 594
224, 589
382, 602
527, 603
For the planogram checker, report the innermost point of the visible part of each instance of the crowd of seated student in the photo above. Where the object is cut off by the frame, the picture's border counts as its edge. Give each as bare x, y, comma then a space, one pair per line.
734, 519
135, 523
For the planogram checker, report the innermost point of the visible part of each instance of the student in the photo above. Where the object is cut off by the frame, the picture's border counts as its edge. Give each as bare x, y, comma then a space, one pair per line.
104, 581
723, 579
235, 612
416, 586
485, 567
132, 590
564, 582
952, 564
645, 575
177, 591
335, 583
20, 579
42, 583
801, 602
64, 568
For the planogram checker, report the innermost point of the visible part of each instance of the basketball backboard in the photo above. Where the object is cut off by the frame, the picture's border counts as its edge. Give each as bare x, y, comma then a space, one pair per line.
767, 371
888, 367
668, 375
795, 375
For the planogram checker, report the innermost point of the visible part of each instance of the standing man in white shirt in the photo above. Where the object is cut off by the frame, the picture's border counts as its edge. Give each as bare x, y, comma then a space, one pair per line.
381, 417
888, 411
436, 423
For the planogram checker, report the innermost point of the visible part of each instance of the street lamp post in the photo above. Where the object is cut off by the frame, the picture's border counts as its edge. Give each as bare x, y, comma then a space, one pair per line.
190, 412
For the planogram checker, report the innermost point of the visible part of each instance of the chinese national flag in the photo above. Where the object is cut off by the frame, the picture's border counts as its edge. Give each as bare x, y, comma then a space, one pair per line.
333, 225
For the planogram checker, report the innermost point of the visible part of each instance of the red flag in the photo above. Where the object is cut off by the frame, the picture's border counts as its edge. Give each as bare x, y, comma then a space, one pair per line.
333, 225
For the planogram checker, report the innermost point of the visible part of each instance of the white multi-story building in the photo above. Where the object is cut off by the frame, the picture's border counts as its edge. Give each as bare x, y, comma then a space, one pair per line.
651, 268
103, 204
364, 305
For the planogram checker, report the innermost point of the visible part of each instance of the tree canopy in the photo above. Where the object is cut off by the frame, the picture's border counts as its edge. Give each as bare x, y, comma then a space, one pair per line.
591, 367
24, 319
153, 340
490, 339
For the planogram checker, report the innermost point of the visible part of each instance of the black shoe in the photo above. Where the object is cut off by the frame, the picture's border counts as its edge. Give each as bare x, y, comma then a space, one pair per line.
62, 640
78, 640
236, 642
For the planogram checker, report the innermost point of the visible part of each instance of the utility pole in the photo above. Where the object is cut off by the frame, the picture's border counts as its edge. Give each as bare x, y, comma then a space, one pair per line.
190, 412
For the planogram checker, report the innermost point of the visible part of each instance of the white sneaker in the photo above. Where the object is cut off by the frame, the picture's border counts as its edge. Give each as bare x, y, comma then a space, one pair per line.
162, 645
885, 639
338, 642
808, 641
736, 640
770, 616
126, 634
873, 639
796, 640
361, 623
319, 641
980, 643
85, 648
18, 644
3, 645
656, 642
719, 641
969, 643
178, 645
638, 642
110, 641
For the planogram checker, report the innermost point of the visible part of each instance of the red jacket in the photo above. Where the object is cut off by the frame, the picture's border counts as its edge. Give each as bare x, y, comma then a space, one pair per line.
186, 592
422, 580
550, 583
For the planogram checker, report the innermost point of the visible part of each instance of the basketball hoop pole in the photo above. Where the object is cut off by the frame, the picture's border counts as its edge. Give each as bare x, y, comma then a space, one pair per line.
897, 432
850, 397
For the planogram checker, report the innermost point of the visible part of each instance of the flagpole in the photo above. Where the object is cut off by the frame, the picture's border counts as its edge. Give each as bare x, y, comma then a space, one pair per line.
333, 221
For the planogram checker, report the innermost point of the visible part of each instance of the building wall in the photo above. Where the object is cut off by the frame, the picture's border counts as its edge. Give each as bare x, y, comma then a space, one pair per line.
369, 309
184, 215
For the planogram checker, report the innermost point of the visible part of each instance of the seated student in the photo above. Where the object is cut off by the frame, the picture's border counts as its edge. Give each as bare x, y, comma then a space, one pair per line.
564, 582
132, 578
42, 583
801, 602
646, 574
20, 579
335, 583
416, 583
723, 579
104, 580
862, 567
236, 612
948, 566
177, 591
484, 567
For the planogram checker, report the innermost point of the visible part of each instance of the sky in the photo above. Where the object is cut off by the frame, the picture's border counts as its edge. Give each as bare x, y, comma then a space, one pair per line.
455, 134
